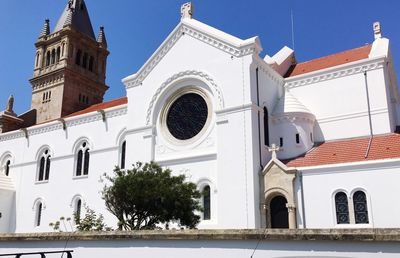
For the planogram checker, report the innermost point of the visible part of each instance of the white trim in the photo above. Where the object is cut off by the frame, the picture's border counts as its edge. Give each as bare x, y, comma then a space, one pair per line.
351, 166
195, 29
335, 72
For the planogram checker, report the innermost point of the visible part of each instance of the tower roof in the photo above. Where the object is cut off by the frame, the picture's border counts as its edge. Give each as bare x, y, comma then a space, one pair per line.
289, 104
76, 15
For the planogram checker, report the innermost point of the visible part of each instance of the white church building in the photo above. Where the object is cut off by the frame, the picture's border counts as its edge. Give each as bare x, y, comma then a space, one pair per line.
272, 143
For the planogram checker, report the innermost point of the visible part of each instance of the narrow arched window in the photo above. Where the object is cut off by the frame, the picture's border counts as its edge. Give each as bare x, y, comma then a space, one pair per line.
44, 166
84, 60
91, 61
37, 59
79, 163
38, 218
7, 168
342, 208
78, 208
206, 203
86, 163
123, 154
63, 49
266, 127
58, 54
82, 160
48, 58
360, 208
78, 57
41, 169
53, 56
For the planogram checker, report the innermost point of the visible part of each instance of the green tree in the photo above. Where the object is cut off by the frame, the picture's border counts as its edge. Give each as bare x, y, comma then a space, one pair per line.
147, 195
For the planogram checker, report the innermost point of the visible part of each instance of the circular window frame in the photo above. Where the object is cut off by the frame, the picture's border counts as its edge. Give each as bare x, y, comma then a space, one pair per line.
164, 114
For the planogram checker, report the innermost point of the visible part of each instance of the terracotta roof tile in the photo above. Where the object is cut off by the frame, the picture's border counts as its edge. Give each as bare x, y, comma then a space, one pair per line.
351, 150
330, 61
100, 106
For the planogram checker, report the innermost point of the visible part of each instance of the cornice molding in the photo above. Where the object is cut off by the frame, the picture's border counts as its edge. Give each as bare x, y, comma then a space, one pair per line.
334, 73
53, 126
181, 30
185, 74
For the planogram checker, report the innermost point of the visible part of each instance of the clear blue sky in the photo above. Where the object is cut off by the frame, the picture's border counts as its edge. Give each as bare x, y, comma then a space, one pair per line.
135, 28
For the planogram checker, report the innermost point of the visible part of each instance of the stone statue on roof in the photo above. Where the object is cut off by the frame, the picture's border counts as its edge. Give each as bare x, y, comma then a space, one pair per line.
10, 104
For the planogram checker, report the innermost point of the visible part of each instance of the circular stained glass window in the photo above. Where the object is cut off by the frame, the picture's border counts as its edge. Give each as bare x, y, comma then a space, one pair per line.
187, 116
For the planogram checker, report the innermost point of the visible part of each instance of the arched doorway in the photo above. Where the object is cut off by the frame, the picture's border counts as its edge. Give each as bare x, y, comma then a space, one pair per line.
279, 212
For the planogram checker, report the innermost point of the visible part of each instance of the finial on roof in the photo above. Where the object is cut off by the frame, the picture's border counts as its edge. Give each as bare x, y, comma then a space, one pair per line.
187, 10
10, 104
46, 29
102, 37
377, 30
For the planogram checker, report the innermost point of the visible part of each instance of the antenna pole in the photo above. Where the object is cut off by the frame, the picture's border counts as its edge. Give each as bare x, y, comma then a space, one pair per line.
292, 19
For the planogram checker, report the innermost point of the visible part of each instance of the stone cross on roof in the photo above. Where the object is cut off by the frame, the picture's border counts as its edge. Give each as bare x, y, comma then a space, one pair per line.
377, 30
274, 149
187, 10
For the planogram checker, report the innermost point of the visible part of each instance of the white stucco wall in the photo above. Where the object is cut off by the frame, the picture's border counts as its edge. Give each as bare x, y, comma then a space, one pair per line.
378, 179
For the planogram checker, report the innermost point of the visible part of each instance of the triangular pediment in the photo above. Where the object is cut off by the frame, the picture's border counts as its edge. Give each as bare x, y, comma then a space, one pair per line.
276, 162
202, 32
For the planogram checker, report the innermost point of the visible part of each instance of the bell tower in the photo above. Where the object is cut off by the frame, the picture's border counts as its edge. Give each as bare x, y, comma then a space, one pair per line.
70, 65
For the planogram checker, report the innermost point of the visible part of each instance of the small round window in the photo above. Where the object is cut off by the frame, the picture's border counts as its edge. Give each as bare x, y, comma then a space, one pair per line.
187, 116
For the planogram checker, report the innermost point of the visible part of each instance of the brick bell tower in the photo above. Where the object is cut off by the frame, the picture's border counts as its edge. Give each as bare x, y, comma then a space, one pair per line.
70, 65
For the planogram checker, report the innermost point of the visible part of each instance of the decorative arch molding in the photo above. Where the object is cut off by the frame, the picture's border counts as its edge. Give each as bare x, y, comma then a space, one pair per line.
202, 182
188, 74
121, 136
6, 156
274, 192
340, 190
41, 150
77, 143
37, 201
75, 198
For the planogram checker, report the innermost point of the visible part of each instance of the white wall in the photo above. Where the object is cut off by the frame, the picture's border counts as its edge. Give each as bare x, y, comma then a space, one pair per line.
209, 248
379, 180
338, 99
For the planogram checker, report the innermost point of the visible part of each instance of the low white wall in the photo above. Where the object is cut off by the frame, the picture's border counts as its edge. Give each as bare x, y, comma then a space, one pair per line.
230, 243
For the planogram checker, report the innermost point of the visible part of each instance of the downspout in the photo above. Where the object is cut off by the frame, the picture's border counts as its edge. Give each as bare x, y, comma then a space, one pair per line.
303, 212
369, 116
259, 123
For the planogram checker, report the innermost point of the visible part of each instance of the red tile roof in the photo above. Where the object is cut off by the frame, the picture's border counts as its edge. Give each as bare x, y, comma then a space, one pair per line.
330, 61
350, 150
101, 106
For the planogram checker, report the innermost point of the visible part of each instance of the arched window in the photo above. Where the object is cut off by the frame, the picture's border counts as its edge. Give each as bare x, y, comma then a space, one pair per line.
58, 54
38, 216
44, 166
53, 56
78, 209
37, 59
266, 127
82, 160
342, 208
48, 58
78, 57
7, 167
360, 208
123, 154
84, 60
63, 49
206, 203
5, 163
91, 61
